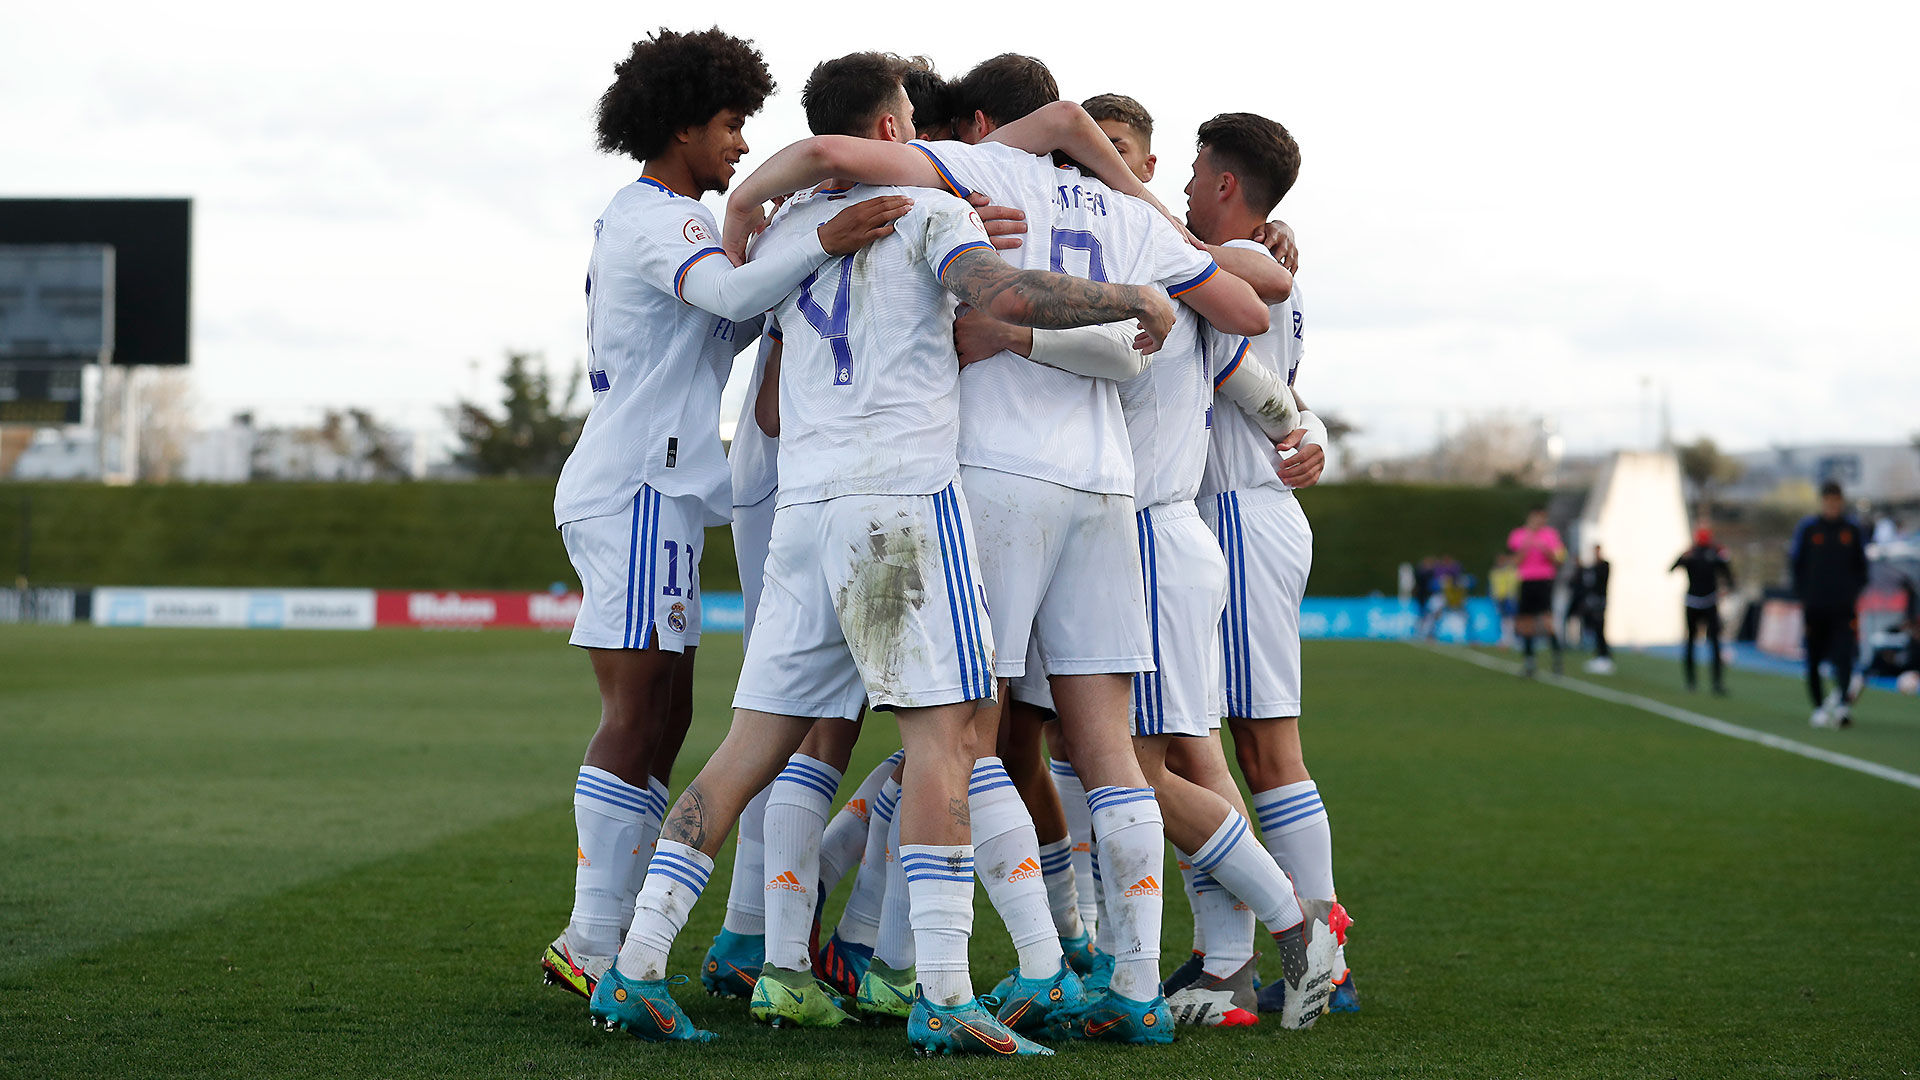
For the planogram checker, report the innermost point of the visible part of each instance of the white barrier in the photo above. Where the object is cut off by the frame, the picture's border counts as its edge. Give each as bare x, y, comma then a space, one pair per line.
261, 609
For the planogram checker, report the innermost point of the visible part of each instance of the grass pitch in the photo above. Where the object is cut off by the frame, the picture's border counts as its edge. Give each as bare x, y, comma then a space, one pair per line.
339, 855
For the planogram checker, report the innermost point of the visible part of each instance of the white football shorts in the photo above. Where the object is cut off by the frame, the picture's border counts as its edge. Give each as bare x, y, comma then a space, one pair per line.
1269, 551
1031, 687
869, 597
639, 573
1062, 572
752, 529
1186, 587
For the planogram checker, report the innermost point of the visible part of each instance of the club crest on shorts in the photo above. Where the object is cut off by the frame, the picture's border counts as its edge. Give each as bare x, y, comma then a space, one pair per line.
677, 617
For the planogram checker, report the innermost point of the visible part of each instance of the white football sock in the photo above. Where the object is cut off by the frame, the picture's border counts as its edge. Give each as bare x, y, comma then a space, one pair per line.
797, 804
846, 836
1249, 872
609, 816
1007, 855
1133, 859
675, 879
1073, 800
747, 892
1103, 927
1187, 873
1063, 892
895, 946
1293, 822
940, 881
860, 921
660, 798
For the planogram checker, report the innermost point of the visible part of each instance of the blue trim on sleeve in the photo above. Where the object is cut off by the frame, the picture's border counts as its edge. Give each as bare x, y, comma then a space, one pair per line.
1196, 281
1233, 365
946, 174
680, 276
951, 255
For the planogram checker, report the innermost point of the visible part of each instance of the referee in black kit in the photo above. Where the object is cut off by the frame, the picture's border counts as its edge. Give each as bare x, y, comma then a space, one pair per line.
1707, 568
1829, 562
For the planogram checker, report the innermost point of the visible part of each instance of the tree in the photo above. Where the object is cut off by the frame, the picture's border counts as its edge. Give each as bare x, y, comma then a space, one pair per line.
1706, 468
535, 431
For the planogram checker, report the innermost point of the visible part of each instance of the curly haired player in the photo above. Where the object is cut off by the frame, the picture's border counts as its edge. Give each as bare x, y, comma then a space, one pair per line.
664, 320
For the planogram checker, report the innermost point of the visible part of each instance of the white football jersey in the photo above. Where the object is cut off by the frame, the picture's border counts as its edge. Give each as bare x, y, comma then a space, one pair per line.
1168, 410
656, 363
754, 457
1240, 456
1025, 418
868, 372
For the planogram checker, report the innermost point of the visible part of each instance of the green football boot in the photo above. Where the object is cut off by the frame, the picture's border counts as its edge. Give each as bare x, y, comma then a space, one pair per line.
963, 1029
885, 992
793, 998
642, 1008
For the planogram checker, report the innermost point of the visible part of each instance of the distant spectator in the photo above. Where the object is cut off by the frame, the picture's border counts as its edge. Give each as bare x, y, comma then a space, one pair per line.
1538, 552
1503, 588
1594, 576
1707, 570
1829, 563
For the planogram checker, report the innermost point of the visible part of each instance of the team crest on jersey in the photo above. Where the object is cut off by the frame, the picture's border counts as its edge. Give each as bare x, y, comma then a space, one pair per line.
695, 232
677, 617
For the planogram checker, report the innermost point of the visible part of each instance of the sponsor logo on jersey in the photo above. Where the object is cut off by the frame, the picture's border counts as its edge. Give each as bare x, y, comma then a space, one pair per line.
695, 232
787, 881
1146, 886
677, 617
1025, 871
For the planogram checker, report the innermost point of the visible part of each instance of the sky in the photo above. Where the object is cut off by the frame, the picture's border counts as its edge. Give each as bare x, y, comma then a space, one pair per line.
1572, 212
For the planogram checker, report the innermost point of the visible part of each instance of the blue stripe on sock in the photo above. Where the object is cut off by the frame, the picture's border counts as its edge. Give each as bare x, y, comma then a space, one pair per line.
806, 780
1209, 856
1116, 796
1316, 808
822, 775
1061, 768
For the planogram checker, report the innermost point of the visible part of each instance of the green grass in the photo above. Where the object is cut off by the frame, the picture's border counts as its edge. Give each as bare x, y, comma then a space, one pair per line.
339, 855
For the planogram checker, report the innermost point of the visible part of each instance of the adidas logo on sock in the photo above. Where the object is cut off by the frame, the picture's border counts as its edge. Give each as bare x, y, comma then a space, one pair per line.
1025, 870
787, 881
858, 808
1146, 886
1083, 848
582, 853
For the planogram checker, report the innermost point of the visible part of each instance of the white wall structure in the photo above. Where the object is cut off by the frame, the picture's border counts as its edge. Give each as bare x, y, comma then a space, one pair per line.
1635, 511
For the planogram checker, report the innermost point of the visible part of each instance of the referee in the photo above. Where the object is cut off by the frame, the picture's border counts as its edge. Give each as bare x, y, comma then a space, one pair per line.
1829, 562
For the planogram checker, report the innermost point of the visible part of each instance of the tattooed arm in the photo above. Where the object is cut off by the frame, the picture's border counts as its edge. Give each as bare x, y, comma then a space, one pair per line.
1039, 298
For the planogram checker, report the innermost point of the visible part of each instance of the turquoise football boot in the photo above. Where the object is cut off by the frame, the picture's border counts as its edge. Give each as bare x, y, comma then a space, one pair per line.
642, 1008
733, 964
1042, 1008
963, 1029
1108, 1017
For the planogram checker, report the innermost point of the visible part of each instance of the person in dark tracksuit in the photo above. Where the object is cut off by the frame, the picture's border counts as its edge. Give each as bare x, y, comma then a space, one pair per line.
1829, 563
1707, 569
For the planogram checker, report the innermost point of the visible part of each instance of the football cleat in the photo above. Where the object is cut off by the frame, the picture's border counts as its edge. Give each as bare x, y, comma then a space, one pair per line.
1346, 998
840, 963
1041, 1008
1108, 1017
1102, 973
1184, 975
963, 1029
1822, 717
642, 1008
1306, 965
794, 999
561, 966
1081, 955
1217, 1000
885, 992
733, 964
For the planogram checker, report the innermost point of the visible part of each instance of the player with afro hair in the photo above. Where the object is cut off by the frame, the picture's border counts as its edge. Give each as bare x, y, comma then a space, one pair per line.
684, 95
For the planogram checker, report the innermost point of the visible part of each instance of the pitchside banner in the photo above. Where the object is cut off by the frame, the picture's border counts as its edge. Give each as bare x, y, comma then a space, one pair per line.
1382, 619
476, 610
263, 609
